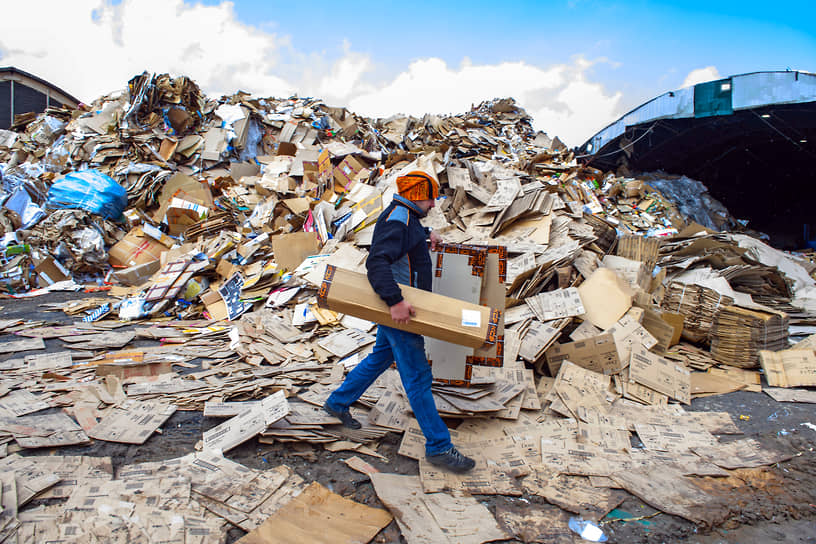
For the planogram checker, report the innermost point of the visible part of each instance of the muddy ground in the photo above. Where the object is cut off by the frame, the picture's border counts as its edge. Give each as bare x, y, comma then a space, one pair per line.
772, 504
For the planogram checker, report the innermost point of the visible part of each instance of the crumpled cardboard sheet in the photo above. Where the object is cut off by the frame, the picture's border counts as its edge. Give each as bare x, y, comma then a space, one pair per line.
499, 464
745, 453
20, 403
669, 491
435, 517
547, 524
23, 344
573, 493
104, 340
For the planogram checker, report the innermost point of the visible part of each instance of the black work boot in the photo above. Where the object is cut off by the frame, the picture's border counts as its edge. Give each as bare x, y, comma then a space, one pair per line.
344, 417
452, 460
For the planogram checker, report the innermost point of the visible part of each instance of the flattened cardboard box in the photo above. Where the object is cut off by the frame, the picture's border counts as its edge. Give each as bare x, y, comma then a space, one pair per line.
598, 353
606, 298
133, 421
247, 424
318, 515
660, 374
789, 368
437, 316
291, 249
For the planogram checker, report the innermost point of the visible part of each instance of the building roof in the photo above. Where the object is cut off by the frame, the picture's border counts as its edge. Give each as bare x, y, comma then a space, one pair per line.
746, 91
15, 74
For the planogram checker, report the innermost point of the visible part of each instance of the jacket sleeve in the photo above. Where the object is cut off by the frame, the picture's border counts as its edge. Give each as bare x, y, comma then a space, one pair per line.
386, 249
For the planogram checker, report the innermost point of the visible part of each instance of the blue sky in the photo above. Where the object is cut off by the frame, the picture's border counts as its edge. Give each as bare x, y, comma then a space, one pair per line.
576, 65
649, 45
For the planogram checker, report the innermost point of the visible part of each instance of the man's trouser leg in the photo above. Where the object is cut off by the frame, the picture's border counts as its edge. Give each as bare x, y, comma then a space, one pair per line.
415, 372
362, 375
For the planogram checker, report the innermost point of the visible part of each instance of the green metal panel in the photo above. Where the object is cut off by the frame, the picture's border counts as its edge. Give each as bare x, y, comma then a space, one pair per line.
713, 98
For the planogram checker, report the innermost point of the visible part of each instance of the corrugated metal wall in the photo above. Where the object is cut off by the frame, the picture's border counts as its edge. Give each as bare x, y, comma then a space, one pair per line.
761, 88
5, 104
25, 99
706, 99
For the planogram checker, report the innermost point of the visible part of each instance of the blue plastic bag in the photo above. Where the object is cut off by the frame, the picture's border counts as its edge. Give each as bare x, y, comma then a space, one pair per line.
89, 190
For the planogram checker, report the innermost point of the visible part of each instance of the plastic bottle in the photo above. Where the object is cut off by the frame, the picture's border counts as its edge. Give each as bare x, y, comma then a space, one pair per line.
587, 530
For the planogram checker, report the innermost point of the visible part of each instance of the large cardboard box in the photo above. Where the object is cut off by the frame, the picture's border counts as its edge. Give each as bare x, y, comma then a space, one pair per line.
50, 271
137, 275
134, 249
346, 172
437, 316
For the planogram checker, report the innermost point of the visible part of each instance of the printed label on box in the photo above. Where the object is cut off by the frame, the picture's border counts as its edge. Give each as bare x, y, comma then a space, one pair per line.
471, 318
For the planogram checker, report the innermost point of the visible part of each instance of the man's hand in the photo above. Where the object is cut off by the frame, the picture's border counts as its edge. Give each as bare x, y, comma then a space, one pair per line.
402, 312
435, 240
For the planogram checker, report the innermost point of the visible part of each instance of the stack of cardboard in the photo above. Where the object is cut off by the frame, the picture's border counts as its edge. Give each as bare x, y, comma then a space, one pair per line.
698, 305
738, 334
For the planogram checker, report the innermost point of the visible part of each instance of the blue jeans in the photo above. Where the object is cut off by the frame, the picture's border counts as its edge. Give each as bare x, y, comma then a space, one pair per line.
408, 350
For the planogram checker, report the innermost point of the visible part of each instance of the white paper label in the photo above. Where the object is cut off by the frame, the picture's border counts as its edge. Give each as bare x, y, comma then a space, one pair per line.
471, 318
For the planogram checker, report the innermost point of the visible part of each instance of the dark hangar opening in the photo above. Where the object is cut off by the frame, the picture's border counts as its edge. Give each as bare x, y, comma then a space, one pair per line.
759, 162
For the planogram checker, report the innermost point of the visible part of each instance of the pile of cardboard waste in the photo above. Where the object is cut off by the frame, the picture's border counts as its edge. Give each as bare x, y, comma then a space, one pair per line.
578, 310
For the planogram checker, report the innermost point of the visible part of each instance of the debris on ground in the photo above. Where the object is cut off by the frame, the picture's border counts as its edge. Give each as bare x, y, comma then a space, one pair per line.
201, 233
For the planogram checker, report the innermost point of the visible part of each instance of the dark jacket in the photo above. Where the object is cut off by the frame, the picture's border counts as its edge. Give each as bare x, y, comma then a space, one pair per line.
399, 251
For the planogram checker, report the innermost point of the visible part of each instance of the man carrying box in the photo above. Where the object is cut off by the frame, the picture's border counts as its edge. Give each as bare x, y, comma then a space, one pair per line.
399, 255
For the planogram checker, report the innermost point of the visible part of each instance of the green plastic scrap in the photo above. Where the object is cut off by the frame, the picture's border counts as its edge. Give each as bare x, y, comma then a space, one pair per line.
17, 249
622, 515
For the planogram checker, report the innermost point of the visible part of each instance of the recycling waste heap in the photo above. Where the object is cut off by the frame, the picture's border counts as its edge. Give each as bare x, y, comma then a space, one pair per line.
208, 223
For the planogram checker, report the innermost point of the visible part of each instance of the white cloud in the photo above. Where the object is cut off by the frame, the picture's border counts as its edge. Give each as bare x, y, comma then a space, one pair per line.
560, 98
588, 109
701, 75
92, 47
344, 76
